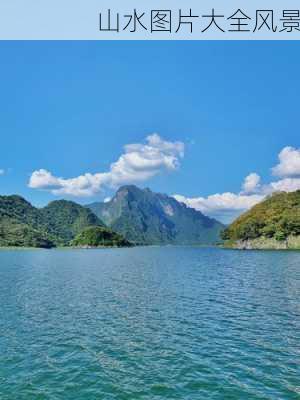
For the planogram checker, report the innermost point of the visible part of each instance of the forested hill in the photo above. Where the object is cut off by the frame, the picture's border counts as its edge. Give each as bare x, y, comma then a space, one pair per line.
137, 215
21, 224
275, 222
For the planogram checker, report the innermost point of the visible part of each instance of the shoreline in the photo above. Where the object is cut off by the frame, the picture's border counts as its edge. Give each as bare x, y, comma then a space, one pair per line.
219, 247
264, 243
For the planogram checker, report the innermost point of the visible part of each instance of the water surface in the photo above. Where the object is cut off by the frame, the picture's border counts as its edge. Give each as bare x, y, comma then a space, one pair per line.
149, 323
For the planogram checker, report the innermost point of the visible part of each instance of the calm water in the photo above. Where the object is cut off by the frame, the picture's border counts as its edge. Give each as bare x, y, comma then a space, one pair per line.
149, 323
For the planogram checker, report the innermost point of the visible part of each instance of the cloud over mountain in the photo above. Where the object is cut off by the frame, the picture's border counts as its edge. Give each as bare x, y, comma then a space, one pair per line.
138, 163
223, 206
142, 161
227, 206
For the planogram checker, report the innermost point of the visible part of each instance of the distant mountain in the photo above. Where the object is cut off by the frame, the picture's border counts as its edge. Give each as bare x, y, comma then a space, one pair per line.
21, 224
272, 224
144, 217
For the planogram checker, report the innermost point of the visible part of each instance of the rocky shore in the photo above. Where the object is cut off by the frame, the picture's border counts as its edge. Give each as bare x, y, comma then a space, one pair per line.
264, 243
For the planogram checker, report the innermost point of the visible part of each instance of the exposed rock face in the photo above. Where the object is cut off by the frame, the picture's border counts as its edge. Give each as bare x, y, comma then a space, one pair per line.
144, 217
263, 243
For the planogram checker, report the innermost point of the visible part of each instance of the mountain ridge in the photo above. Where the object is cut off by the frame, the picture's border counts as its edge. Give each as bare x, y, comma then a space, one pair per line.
145, 217
139, 216
57, 224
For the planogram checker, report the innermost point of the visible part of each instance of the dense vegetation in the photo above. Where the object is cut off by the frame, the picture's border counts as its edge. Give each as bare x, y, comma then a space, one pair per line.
99, 237
22, 235
66, 219
140, 216
23, 225
144, 217
276, 217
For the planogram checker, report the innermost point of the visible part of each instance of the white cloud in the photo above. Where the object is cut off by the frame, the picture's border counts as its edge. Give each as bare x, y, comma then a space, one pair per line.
289, 163
84, 185
223, 206
2, 171
288, 169
284, 185
226, 206
251, 183
140, 162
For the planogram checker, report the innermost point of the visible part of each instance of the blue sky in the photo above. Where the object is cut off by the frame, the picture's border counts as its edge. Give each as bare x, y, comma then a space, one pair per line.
70, 108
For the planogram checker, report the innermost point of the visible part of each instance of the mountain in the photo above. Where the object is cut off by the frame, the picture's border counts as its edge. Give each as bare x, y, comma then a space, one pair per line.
57, 224
272, 224
66, 219
144, 217
21, 224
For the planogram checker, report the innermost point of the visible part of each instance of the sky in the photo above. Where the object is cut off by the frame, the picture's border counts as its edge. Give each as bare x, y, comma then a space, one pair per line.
214, 123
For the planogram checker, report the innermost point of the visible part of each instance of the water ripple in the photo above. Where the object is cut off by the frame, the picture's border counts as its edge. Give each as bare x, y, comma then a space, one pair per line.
149, 323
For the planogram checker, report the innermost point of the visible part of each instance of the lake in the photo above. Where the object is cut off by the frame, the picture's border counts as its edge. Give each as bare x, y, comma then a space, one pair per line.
149, 323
